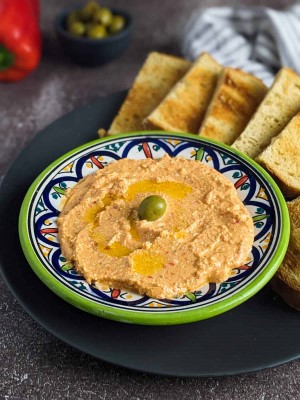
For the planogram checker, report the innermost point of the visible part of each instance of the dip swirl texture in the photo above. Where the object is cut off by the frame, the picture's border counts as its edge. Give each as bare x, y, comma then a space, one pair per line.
205, 232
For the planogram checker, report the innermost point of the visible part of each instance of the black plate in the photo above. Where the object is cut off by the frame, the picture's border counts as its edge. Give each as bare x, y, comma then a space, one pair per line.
260, 333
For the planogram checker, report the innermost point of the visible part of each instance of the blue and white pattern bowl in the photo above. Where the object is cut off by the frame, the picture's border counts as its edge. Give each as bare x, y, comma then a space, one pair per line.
259, 193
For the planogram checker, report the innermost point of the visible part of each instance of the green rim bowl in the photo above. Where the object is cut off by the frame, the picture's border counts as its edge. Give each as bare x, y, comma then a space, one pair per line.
258, 191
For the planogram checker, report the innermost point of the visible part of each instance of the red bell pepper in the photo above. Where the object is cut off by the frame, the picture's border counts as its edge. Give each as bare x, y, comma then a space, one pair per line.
36, 8
20, 38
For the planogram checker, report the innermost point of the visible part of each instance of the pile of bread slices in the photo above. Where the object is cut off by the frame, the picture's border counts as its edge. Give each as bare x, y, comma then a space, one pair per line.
235, 108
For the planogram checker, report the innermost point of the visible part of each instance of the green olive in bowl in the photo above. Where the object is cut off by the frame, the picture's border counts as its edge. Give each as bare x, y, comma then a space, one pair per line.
96, 44
95, 22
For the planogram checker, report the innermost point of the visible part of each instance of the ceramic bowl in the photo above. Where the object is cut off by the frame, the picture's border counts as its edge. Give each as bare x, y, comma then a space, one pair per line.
93, 52
259, 193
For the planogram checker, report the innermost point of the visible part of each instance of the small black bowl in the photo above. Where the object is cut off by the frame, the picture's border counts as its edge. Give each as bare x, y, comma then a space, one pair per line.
93, 52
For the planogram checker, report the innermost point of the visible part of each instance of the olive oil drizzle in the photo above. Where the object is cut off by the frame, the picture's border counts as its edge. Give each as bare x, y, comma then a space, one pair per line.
145, 262
176, 190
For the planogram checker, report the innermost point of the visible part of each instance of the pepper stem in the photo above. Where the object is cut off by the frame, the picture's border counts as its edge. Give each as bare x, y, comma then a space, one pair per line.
6, 58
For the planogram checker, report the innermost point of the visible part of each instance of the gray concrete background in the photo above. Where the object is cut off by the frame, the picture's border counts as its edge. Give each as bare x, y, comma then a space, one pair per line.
34, 364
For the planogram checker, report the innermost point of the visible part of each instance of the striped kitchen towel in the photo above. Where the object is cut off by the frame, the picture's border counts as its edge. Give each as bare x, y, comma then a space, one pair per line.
258, 40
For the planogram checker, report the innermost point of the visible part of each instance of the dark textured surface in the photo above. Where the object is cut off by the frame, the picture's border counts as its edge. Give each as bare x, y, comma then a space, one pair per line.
35, 365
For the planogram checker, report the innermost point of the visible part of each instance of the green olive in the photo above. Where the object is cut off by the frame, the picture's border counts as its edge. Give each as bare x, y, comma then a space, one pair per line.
92, 7
117, 24
103, 16
77, 28
72, 17
97, 32
88, 11
152, 208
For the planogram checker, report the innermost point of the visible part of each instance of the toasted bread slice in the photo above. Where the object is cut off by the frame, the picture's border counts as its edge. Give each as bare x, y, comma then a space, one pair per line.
280, 104
282, 158
235, 99
184, 107
157, 76
287, 279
